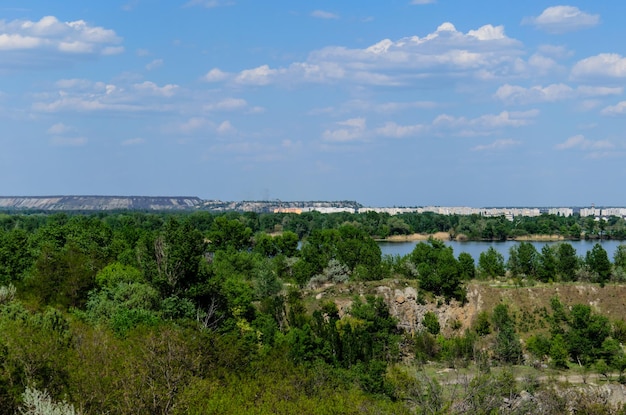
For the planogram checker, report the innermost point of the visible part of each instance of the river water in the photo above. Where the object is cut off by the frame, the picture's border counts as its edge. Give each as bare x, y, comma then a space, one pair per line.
474, 248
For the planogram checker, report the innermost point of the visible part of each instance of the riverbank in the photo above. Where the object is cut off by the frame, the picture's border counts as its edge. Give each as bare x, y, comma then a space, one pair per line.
442, 236
445, 236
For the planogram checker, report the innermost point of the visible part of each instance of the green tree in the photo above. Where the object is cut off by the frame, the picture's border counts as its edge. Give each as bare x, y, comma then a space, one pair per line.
431, 322
438, 269
355, 248
229, 233
558, 352
598, 262
523, 260
468, 267
619, 258
491, 263
567, 262
587, 331
547, 264
15, 255
508, 348
172, 259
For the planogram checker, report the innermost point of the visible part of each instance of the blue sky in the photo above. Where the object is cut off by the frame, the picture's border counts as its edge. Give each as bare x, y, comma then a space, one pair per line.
405, 103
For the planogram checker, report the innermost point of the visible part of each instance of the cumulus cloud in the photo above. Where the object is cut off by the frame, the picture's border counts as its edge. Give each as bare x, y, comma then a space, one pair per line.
81, 95
355, 129
349, 130
261, 75
59, 128
485, 124
36, 43
562, 19
154, 64
153, 89
618, 109
321, 14
604, 65
228, 104
484, 53
497, 145
391, 129
216, 75
225, 128
580, 142
514, 94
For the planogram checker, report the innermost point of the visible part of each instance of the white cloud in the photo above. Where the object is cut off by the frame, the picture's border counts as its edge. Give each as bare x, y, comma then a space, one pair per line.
350, 130
513, 94
51, 37
154, 64
580, 142
618, 109
423, 1
216, 75
543, 65
555, 51
225, 128
520, 95
609, 65
112, 50
261, 75
497, 145
153, 89
562, 19
599, 91
81, 95
228, 104
58, 129
321, 14
391, 129
485, 124
483, 53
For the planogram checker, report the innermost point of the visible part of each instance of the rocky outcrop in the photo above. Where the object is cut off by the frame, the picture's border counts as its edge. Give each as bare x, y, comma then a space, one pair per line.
404, 306
98, 203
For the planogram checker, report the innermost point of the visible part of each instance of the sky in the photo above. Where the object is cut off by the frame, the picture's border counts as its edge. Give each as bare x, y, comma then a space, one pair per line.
388, 103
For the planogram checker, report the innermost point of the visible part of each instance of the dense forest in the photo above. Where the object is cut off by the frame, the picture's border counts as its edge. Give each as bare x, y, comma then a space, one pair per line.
149, 313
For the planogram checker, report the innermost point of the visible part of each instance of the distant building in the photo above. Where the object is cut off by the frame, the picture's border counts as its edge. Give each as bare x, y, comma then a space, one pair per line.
561, 211
297, 211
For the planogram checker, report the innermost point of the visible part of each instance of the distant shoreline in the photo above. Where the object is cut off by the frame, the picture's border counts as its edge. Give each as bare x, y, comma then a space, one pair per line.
445, 236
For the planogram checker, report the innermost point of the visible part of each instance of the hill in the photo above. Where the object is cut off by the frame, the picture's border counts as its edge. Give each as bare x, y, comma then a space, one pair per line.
99, 203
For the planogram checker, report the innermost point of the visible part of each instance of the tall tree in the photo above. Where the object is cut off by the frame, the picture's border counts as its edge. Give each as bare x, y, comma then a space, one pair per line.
598, 262
491, 263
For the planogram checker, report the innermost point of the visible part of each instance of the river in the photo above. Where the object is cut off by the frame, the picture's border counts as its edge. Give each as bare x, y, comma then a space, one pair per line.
474, 248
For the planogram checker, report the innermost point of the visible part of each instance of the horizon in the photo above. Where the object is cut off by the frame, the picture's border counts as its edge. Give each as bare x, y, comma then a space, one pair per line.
306, 201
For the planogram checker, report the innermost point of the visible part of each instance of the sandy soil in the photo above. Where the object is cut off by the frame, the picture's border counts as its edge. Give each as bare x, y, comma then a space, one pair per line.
443, 236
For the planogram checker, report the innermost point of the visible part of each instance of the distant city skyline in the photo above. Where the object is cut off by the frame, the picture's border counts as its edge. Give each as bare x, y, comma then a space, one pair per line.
87, 203
396, 103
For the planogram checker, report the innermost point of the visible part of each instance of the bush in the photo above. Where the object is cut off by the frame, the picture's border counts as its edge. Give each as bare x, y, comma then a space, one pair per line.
40, 403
